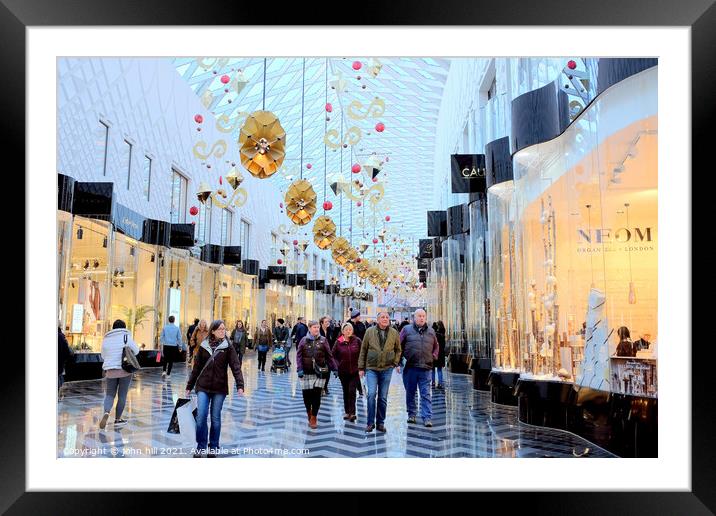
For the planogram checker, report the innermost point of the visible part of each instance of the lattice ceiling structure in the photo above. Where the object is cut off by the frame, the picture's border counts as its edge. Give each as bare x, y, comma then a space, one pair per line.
411, 88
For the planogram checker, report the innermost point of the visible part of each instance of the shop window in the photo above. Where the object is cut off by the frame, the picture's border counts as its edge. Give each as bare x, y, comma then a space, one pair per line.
87, 285
226, 223
492, 91
178, 206
147, 179
128, 155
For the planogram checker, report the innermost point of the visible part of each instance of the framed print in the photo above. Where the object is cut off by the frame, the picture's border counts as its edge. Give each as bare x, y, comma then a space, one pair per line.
470, 236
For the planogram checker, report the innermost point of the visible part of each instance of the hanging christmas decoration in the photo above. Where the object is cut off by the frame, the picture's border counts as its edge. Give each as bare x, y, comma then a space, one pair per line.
355, 168
380, 127
329, 107
340, 248
357, 65
309, 166
263, 143
357, 111
324, 232
373, 166
193, 211
328, 205
300, 202
198, 119
225, 79
374, 66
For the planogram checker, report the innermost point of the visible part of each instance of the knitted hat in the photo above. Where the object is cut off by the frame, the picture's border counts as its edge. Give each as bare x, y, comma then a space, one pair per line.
354, 313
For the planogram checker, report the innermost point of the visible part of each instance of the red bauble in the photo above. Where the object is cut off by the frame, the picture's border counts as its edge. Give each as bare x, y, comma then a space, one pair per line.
279, 261
329, 107
358, 260
309, 166
571, 64
198, 119
357, 65
380, 127
375, 240
328, 205
225, 79
193, 210
359, 204
295, 242
375, 179
220, 181
355, 168
387, 218
280, 205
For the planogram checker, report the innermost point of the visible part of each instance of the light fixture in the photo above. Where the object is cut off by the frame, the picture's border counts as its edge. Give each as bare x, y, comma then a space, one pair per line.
86, 266
72, 284
104, 243
121, 283
171, 284
152, 258
131, 251
178, 284
79, 233
96, 264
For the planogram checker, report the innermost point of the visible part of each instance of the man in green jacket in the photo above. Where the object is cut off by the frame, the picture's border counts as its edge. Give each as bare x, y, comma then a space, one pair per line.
379, 355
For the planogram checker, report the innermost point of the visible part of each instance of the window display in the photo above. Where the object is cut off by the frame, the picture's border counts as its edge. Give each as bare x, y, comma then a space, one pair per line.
86, 284
505, 330
454, 317
475, 285
64, 238
586, 244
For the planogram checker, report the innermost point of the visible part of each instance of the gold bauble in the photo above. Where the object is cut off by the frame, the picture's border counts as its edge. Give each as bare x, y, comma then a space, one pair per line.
263, 144
324, 232
300, 202
339, 249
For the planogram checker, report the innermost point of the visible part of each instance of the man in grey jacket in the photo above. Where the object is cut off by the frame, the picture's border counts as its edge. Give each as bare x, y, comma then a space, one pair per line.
420, 349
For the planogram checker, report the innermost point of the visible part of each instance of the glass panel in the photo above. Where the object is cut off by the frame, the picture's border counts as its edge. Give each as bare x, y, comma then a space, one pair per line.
147, 176
87, 286
128, 162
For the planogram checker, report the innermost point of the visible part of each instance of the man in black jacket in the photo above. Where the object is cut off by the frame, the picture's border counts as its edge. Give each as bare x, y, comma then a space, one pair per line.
299, 331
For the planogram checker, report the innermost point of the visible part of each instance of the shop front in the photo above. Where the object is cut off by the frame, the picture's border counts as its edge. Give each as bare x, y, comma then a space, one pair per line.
583, 303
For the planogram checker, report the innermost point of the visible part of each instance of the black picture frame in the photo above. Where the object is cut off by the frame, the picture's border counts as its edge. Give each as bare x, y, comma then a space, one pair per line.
699, 15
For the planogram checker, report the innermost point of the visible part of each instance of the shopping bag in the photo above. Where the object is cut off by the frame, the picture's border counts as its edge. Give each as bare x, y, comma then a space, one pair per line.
173, 427
159, 356
186, 415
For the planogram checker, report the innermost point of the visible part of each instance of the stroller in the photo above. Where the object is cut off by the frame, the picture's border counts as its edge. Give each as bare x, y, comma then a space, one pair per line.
278, 358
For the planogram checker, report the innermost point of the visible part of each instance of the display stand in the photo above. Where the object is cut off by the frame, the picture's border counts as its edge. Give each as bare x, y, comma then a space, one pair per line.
458, 363
481, 368
544, 402
502, 387
84, 366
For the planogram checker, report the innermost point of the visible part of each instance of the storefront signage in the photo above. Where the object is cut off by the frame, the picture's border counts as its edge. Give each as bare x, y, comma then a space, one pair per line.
621, 235
175, 303
468, 173
78, 312
128, 222
425, 247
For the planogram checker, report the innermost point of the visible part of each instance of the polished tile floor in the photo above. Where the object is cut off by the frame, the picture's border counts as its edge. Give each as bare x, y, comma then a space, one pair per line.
270, 421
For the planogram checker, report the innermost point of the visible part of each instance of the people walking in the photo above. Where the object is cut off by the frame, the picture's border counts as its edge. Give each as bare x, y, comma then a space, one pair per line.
210, 379
281, 336
63, 355
327, 333
358, 326
170, 339
438, 365
239, 339
263, 340
199, 335
314, 362
117, 380
346, 353
420, 350
379, 355
299, 331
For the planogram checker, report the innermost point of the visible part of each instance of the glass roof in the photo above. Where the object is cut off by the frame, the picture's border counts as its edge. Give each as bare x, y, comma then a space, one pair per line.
412, 90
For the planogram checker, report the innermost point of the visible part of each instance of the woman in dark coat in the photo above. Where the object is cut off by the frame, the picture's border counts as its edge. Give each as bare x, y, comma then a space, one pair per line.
239, 338
313, 349
438, 364
346, 352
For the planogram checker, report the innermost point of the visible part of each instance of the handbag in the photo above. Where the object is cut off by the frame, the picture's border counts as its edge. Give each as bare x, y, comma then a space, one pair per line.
129, 359
320, 372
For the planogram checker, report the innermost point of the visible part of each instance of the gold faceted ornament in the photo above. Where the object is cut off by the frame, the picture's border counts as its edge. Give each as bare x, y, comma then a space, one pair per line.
340, 249
324, 232
300, 202
263, 144
352, 256
203, 193
363, 269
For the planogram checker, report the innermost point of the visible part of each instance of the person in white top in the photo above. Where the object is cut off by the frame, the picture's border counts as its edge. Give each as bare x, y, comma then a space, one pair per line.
117, 380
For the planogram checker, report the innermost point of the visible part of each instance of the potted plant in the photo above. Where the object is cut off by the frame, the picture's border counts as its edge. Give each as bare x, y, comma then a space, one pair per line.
136, 317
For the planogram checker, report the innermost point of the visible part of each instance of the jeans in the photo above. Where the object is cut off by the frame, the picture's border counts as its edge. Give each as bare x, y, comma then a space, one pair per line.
377, 382
440, 375
112, 387
415, 378
349, 382
262, 359
202, 411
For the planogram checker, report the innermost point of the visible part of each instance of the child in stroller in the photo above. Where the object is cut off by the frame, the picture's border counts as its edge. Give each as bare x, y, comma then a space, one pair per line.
278, 357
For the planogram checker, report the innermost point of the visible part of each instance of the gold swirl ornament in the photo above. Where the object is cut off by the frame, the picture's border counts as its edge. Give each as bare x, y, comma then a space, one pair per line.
357, 111
300, 202
324, 232
263, 144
